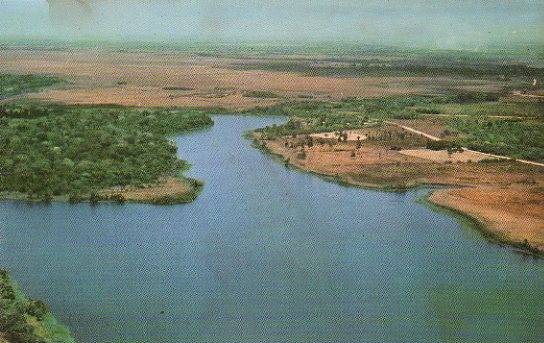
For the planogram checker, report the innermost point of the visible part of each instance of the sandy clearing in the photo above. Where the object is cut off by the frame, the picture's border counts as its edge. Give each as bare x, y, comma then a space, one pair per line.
442, 156
352, 135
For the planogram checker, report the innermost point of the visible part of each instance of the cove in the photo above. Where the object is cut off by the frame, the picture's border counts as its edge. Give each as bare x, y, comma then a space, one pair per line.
269, 254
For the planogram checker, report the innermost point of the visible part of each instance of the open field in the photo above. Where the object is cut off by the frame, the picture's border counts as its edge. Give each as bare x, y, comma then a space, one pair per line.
147, 79
443, 156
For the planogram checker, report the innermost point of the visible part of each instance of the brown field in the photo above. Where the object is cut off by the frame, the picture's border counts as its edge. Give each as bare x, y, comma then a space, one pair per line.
135, 78
512, 214
507, 196
428, 124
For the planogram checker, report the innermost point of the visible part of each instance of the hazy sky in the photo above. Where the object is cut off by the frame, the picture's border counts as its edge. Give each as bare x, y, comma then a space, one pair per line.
439, 23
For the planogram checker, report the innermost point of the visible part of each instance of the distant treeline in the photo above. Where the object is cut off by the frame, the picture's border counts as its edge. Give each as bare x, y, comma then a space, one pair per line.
379, 67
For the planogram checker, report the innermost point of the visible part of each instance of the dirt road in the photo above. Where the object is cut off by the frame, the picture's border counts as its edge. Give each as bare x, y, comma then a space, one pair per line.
434, 138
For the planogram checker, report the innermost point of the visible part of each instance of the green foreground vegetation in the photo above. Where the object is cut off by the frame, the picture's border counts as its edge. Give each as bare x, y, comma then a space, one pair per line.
11, 85
54, 150
24, 320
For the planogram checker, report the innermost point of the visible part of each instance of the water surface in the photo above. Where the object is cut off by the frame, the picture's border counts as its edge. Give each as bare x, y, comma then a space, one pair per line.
269, 254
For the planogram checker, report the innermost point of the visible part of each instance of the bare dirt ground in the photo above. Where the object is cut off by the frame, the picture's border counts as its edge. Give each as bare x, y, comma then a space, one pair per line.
133, 78
513, 214
442, 156
506, 196
432, 125
166, 187
351, 135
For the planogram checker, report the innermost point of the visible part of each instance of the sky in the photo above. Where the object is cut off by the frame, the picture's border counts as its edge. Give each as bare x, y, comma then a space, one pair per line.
418, 23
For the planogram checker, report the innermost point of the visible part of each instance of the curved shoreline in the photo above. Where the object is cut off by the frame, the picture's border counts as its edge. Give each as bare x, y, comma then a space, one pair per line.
477, 223
488, 228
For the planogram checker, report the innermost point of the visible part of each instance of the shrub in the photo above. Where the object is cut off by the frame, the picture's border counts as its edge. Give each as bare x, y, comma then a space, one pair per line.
444, 145
37, 308
261, 94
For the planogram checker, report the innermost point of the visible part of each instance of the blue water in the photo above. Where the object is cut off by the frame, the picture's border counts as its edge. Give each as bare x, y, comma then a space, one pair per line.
269, 254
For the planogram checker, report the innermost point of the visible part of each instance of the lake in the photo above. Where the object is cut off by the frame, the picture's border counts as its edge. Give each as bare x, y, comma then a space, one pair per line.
270, 254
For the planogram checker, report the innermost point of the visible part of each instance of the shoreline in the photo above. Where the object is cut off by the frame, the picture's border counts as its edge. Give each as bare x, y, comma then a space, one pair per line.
25, 319
488, 228
170, 191
477, 223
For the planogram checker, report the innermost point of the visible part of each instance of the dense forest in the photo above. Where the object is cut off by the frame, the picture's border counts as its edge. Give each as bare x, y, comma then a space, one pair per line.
514, 138
52, 150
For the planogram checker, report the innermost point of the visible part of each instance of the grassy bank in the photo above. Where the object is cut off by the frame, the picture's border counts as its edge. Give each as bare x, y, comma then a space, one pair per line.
24, 320
366, 183
169, 191
53, 150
